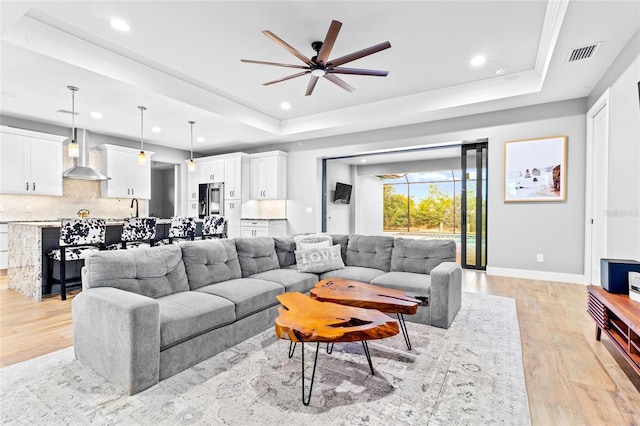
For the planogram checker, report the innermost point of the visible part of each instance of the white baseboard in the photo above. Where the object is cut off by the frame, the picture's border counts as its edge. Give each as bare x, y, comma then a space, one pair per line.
537, 275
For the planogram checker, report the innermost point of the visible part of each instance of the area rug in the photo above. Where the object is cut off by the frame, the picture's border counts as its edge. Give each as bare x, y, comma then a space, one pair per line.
469, 374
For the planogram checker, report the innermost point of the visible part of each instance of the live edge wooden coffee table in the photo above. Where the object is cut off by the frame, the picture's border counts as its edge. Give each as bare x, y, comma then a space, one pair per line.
368, 296
303, 319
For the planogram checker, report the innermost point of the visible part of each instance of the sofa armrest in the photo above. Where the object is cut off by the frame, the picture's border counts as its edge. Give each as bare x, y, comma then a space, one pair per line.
117, 334
446, 293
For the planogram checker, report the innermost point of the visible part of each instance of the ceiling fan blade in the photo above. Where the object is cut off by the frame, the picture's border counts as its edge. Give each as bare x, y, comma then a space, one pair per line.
277, 64
359, 54
312, 84
332, 78
286, 78
358, 71
290, 49
328, 42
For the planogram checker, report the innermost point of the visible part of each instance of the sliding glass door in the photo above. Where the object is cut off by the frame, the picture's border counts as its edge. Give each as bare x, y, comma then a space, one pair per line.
473, 237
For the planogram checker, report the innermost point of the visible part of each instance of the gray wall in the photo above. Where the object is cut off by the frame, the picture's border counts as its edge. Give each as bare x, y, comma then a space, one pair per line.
517, 231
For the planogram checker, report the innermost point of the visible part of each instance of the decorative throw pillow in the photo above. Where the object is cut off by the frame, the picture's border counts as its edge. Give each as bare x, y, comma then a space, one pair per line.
303, 245
311, 239
319, 260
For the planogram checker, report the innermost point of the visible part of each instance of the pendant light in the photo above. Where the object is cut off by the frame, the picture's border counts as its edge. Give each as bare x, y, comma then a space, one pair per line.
74, 150
142, 157
191, 165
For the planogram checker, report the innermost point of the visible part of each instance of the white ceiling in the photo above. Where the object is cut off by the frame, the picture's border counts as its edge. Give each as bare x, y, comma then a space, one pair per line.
181, 60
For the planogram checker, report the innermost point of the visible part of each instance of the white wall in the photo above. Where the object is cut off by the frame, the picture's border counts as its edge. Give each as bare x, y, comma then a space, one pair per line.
369, 203
340, 217
623, 209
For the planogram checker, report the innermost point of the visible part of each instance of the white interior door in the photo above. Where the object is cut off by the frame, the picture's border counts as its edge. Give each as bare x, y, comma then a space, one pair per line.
597, 176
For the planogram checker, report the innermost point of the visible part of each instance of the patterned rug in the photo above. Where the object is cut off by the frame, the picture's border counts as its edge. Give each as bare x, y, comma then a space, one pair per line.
469, 374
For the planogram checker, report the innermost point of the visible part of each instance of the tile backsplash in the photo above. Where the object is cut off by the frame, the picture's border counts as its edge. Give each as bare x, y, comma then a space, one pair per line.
76, 195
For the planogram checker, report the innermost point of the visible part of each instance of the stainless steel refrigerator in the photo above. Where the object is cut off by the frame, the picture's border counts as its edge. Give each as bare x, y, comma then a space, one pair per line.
211, 199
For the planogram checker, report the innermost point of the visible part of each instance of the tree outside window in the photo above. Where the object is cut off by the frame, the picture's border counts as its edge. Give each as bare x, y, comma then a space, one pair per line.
425, 203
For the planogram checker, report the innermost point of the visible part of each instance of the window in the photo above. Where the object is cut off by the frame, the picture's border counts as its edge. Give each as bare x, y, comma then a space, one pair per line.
423, 203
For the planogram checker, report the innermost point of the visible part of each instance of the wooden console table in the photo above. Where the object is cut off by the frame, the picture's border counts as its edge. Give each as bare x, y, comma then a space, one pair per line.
619, 317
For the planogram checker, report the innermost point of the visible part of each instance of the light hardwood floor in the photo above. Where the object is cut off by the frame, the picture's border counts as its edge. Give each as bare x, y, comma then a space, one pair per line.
571, 378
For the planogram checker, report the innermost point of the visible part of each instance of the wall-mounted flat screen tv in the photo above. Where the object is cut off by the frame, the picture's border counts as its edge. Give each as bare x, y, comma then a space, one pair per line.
342, 194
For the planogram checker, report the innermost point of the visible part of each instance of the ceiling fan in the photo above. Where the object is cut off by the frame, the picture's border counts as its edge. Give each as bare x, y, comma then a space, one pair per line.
320, 65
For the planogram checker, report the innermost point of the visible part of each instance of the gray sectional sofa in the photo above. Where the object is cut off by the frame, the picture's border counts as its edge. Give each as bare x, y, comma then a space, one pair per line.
146, 314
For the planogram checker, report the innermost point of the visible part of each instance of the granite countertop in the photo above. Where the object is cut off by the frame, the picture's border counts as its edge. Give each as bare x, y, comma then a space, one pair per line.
56, 223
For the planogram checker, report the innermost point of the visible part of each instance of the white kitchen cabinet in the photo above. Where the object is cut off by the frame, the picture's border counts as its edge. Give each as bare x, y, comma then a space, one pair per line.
192, 208
210, 171
269, 176
128, 178
192, 193
192, 185
236, 176
233, 214
31, 162
263, 228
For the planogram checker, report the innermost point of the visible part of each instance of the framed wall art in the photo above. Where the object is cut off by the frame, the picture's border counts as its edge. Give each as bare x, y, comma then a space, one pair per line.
535, 169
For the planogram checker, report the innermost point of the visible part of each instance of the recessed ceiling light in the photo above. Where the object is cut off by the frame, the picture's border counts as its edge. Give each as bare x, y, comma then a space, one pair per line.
500, 70
119, 24
200, 139
285, 105
156, 129
96, 114
363, 160
476, 61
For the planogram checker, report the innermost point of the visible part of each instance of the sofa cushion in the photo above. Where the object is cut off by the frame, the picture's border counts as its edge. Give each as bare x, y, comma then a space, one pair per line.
412, 283
285, 250
290, 279
210, 261
154, 272
420, 255
256, 254
356, 273
343, 240
250, 295
318, 260
370, 251
189, 314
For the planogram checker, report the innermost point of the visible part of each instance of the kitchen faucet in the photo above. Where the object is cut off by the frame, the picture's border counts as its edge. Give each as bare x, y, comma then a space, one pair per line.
136, 200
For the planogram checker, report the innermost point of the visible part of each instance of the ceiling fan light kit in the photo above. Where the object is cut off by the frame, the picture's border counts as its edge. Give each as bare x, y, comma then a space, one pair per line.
320, 65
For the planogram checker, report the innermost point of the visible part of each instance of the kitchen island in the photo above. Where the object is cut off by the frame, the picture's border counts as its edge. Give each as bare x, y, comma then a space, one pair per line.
29, 243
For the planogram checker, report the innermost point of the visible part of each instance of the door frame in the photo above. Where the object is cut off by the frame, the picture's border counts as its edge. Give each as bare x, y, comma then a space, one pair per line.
589, 230
478, 147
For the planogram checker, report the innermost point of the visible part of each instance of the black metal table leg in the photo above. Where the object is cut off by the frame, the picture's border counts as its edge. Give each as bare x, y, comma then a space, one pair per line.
403, 327
329, 347
306, 400
366, 352
292, 348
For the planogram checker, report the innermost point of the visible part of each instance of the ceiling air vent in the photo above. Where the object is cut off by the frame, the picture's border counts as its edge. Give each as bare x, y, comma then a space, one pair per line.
585, 52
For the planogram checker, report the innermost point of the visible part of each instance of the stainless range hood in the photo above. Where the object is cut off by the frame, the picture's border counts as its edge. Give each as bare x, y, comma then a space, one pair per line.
81, 169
